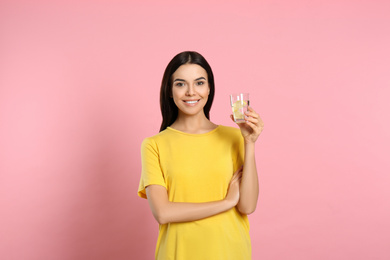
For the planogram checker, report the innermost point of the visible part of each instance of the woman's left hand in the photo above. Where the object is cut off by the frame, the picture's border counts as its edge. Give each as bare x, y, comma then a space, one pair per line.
252, 127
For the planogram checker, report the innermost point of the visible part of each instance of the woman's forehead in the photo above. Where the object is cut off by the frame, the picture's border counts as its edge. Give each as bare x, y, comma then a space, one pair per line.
189, 72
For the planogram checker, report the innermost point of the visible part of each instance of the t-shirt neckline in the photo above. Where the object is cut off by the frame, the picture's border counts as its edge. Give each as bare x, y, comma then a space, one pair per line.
184, 133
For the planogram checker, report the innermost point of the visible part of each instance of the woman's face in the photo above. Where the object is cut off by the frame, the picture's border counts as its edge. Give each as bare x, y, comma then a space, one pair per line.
190, 89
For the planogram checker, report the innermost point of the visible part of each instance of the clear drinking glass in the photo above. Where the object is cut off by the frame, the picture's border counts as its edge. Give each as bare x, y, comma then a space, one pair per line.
239, 103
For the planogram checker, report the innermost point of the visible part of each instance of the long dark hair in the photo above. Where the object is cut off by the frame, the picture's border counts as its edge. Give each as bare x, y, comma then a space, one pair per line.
168, 107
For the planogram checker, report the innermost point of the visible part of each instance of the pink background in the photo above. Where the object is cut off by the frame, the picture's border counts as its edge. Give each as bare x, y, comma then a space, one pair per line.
79, 85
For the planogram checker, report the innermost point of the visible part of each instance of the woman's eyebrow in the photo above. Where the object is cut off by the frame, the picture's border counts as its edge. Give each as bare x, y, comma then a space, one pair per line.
195, 79
179, 80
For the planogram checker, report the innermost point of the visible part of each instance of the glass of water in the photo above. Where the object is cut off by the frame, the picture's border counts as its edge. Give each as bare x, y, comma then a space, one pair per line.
239, 103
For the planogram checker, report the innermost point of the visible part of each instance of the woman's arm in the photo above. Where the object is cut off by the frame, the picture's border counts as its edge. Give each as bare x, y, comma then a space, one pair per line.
165, 211
249, 188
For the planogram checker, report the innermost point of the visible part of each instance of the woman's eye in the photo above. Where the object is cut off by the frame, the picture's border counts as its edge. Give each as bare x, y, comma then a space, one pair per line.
179, 84
200, 83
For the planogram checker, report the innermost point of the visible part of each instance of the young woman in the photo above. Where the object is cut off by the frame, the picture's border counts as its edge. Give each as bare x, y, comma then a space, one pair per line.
200, 178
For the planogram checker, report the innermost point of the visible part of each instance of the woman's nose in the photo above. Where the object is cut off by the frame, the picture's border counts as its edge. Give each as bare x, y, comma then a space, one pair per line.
190, 90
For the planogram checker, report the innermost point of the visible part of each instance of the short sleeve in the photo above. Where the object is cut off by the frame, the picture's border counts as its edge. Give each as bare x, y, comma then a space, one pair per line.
240, 152
151, 168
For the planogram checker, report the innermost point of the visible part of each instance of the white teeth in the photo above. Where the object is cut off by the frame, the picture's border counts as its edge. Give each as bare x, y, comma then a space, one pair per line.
192, 102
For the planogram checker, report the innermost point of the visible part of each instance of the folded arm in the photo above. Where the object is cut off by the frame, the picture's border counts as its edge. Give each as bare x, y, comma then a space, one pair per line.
165, 211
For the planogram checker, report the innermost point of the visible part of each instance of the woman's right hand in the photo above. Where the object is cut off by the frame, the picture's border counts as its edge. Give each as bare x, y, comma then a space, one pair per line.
233, 194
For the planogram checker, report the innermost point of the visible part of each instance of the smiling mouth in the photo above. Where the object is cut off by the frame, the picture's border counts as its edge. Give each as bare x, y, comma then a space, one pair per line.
191, 101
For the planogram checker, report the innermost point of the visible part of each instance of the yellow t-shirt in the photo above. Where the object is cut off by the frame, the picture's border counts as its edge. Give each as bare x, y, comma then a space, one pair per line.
197, 168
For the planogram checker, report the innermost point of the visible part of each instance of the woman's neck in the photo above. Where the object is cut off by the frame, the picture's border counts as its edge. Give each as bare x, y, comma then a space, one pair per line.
196, 124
